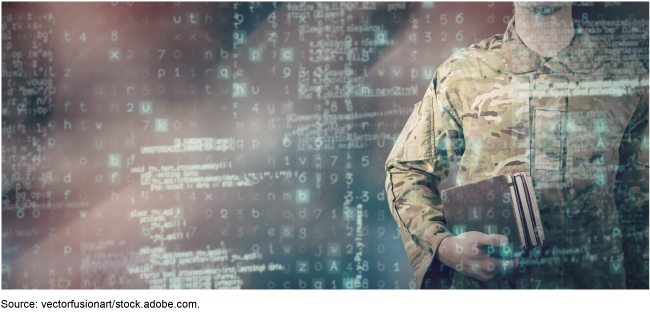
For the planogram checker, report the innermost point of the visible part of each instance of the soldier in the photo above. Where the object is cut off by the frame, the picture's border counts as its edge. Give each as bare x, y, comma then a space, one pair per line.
547, 99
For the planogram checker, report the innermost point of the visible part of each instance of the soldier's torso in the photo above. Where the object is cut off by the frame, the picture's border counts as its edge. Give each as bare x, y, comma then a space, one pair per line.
565, 131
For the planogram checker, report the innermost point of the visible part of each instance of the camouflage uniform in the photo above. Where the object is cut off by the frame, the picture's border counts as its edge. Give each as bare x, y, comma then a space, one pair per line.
578, 124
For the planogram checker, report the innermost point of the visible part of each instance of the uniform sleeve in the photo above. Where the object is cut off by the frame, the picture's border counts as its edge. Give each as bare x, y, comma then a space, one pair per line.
632, 195
417, 163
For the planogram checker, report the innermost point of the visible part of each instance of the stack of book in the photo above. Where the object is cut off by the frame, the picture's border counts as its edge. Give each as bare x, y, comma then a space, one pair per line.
504, 204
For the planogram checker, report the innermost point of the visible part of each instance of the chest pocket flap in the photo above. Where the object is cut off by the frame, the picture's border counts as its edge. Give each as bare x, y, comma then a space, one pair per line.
549, 138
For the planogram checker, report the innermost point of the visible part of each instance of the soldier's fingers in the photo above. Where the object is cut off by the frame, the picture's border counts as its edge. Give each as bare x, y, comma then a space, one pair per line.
488, 276
491, 265
482, 276
493, 240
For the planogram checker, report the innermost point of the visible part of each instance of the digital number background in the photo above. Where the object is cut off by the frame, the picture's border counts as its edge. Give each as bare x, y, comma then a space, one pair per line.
223, 145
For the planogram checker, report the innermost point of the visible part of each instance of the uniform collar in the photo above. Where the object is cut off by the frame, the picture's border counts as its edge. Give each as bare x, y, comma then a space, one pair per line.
577, 58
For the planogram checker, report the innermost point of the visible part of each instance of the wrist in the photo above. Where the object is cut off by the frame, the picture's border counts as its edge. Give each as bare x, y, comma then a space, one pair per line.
442, 251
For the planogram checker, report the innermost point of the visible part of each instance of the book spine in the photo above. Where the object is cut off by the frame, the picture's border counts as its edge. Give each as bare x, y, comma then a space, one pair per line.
517, 214
533, 217
525, 210
533, 200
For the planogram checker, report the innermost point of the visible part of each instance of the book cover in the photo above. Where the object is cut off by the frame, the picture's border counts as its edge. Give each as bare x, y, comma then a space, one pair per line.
504, 204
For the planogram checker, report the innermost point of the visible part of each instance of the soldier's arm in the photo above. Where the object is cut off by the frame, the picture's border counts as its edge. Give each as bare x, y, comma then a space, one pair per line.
415, 167
632, 195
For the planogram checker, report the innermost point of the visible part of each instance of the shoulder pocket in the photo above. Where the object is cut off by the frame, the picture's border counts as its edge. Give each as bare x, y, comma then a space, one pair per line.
415, 142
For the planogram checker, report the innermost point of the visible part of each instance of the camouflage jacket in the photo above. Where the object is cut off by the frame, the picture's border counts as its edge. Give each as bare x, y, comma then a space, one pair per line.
578, 124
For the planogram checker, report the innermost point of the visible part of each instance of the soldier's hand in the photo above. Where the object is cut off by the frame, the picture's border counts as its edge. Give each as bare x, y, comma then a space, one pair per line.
467, 254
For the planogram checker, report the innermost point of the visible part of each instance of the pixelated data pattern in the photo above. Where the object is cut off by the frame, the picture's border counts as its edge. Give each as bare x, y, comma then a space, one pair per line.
223, 145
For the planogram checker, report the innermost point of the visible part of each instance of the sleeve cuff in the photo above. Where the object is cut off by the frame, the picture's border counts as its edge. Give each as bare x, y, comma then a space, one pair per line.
430, 266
